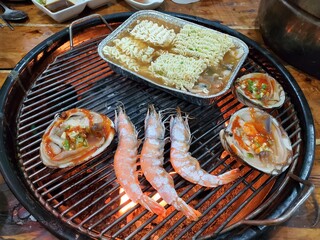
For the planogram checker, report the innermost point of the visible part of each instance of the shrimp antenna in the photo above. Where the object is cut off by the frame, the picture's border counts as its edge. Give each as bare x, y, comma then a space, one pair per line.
168, 111
167, 118
163, 112
186, 115
119, 104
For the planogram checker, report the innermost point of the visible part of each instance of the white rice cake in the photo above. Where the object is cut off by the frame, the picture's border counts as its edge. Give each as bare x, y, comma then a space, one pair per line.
201, 43
177, 70
152, 33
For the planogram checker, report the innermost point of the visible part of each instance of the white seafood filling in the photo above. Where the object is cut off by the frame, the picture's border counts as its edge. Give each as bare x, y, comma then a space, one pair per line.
182, 72
151, 32
254, 146
76, 121
135, 49
114, 53
200, 43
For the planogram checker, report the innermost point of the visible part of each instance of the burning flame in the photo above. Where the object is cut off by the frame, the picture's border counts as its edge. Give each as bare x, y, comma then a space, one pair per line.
123, 199
156, 197
131, 204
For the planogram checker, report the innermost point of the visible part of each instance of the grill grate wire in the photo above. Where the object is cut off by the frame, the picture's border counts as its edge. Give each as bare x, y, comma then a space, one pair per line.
79, 78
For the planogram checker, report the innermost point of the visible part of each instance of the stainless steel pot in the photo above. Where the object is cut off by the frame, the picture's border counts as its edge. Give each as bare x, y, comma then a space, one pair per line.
292, 29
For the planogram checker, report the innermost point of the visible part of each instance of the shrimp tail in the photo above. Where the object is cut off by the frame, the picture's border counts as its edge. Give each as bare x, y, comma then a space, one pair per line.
188, 211
151, 205
229, 176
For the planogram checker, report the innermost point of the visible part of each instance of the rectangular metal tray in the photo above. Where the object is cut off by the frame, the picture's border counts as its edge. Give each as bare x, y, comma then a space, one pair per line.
188, 96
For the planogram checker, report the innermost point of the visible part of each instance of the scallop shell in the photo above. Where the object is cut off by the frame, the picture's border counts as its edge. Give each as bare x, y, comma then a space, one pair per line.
74, 137
258, 139
248, 91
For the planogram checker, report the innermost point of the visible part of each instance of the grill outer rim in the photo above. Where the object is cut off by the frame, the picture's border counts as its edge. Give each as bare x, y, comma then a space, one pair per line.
16, 182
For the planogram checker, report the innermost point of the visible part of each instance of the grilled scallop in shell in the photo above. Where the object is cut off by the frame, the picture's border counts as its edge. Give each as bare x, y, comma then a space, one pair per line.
74, 137
258, 139
259, 90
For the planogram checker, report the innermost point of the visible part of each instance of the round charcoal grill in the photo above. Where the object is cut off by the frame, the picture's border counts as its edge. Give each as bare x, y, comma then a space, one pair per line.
85, 201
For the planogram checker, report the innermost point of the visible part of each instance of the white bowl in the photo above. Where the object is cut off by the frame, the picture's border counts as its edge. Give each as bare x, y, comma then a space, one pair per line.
147, 5
65, 14
93, 4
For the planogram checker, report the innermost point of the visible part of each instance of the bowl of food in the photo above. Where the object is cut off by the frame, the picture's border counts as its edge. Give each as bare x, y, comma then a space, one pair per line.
187, 60
61, 10
144, 4
258, 139
259, 90
93, 4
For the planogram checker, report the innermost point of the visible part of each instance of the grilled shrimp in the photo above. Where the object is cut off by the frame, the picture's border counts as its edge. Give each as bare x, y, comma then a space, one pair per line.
151, 160
125, 163
187, 166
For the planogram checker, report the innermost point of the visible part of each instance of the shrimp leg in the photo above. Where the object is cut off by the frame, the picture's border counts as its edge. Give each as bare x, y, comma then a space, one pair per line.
151, 160
125, 163
187, 166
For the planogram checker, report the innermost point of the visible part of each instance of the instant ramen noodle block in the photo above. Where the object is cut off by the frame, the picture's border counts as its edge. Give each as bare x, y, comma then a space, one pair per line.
177, 70
152, 33
114, 53
135, 49
201, 43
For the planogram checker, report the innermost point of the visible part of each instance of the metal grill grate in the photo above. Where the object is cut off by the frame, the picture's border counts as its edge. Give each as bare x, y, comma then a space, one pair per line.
87, 196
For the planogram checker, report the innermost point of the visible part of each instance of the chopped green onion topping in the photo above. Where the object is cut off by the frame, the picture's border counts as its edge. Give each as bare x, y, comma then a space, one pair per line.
257, 144
66, 145
79, 140
264, 86
250, 86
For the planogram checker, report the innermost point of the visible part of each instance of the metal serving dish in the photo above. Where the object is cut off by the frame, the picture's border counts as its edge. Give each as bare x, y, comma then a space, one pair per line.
185, 95
292, 29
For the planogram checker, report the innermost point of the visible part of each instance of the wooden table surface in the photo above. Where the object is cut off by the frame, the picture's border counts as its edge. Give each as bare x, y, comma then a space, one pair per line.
15, 223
